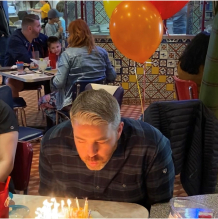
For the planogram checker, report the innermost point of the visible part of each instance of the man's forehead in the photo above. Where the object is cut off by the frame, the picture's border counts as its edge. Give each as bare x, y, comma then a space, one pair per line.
36, 23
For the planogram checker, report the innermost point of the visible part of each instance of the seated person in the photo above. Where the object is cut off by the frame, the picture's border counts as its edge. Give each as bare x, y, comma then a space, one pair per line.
8, 140
54, 50
103, 157
21, 44
82, 59
52, 28
191, 63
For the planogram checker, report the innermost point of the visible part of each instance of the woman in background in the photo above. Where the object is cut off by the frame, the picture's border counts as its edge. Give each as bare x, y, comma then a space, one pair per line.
81, 60
191, 63
43, 10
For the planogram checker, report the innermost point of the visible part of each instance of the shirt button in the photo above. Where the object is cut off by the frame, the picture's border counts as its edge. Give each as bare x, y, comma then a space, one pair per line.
124, 186
165, 170
12, 127
97, 187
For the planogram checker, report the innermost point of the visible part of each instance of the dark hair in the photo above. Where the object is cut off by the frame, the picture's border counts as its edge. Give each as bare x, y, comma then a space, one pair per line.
195, 53
80, 35
48, 3
60, 6
29, 19
52, 39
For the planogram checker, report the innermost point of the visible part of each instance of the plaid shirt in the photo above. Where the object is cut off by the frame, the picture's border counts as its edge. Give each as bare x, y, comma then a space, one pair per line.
140, 171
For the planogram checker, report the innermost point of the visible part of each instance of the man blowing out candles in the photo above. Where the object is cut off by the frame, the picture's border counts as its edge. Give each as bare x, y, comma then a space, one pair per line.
98, 155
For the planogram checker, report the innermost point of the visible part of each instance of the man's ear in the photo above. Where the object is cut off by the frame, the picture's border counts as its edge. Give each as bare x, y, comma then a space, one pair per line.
119, 130
29, 28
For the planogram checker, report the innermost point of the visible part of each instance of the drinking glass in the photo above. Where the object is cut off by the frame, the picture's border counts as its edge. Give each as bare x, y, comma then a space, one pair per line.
42, 65
181, 207
19, 66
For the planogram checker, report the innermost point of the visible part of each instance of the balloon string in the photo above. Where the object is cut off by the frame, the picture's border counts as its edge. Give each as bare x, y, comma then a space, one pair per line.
140, 96
166, 29
144, 70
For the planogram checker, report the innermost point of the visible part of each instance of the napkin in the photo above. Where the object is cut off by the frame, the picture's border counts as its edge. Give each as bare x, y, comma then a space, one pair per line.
36, 61
13, 66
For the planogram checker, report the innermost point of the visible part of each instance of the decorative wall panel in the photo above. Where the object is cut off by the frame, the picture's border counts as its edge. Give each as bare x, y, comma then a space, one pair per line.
159, 83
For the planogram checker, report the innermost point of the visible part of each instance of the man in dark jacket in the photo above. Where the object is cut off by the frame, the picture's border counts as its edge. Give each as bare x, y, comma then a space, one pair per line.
4, 31
20, 47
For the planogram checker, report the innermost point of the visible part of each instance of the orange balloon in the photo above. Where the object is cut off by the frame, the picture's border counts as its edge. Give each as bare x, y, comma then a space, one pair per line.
136, 29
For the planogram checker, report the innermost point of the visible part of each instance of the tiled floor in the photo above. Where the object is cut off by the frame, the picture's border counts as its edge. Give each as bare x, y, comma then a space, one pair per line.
35, 118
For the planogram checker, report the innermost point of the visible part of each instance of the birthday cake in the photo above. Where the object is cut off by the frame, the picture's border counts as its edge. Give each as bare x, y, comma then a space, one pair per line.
55, 210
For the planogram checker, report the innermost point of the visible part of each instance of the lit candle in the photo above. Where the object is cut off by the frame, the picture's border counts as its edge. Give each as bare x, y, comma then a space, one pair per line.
85, 209
77, 203
62, 206
69, 202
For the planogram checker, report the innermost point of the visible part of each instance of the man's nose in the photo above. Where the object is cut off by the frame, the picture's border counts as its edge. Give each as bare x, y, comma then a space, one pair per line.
92, 150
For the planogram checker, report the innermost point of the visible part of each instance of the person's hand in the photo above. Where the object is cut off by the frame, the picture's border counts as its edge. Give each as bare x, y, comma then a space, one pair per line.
60, 29
59, 23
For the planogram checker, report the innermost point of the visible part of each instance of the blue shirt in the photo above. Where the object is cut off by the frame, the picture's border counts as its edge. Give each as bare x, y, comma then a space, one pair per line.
76, 63
140, 171
19, 48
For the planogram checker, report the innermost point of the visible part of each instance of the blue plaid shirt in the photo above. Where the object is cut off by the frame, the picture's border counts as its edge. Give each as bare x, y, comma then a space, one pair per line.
140, 171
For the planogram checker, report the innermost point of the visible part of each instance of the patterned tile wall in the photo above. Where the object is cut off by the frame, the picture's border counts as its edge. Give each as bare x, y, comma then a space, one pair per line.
158, 77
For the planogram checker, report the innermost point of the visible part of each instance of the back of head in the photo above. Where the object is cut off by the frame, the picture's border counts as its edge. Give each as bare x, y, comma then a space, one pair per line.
80, 35
29, 20
95, 107
52, 39
60, 6
195, 53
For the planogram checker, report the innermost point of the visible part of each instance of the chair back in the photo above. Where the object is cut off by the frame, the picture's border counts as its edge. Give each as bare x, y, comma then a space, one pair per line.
116, 91
22, 166
80, 85
6, 95
185, 90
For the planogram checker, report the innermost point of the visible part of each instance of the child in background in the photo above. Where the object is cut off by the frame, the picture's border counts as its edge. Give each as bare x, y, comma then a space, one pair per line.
53, 27
54, 49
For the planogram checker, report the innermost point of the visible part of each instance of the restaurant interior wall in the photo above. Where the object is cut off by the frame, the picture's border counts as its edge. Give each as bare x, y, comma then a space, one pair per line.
159, 84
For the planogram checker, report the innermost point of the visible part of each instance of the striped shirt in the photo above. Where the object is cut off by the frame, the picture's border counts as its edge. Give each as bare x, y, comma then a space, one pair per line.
140, 171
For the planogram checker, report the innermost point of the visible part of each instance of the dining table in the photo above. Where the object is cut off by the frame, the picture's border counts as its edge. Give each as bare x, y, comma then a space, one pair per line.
33, 76
100, 209
162, 210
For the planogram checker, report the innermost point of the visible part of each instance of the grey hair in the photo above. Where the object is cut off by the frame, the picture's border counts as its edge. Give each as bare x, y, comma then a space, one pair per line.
95, 107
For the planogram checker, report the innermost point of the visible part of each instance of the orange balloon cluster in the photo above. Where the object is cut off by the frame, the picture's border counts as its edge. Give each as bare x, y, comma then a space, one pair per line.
136, 29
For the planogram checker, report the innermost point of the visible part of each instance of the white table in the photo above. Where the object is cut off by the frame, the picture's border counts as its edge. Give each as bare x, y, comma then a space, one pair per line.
35, 77
106, 209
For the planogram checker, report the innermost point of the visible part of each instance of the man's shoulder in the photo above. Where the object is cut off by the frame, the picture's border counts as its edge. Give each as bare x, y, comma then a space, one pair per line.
8, 120
58, 133
16, 36
42, 37
142, 131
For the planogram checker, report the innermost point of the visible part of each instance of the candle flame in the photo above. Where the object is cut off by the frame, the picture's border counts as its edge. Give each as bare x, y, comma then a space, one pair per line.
50, 210
77, 203
69, 202
53, 199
